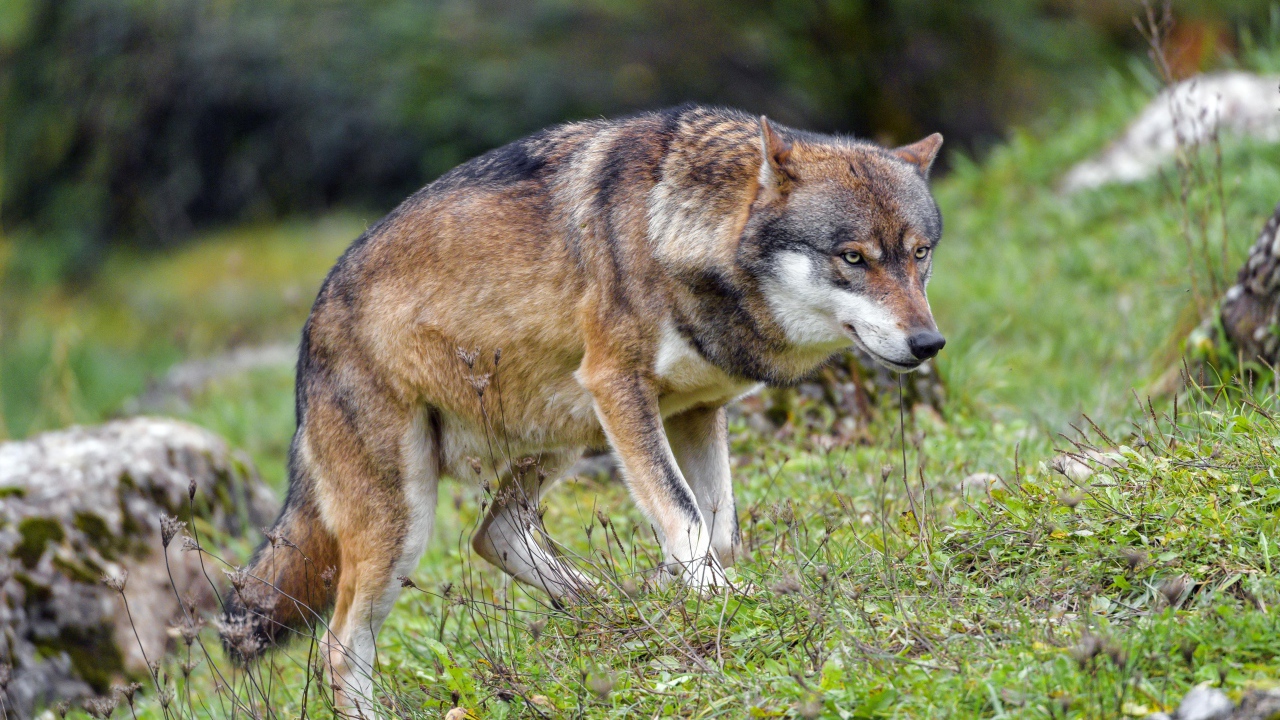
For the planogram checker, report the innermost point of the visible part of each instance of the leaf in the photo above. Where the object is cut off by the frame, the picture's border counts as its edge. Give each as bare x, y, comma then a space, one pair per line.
832, 674
878, 705
439, 649
907, 523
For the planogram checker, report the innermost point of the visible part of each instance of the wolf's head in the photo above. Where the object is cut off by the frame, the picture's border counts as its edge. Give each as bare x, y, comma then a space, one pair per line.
841, 237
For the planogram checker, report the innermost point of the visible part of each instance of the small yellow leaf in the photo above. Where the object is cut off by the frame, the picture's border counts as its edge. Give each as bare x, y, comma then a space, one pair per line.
907, 523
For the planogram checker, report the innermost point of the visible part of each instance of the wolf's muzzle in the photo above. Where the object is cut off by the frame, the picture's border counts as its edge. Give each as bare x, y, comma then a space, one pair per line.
925, 344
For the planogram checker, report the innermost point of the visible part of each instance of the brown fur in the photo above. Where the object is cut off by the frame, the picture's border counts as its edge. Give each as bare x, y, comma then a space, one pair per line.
583, 253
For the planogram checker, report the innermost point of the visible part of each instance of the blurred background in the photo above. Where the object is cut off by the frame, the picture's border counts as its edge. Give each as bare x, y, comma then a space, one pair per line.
140, 121
273, 131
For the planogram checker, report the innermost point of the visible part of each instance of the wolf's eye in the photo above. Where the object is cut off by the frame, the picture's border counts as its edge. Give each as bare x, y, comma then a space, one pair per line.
853, 258
922, 252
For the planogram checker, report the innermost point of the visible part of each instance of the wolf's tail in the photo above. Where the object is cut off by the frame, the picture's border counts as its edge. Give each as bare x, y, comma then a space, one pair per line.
288, 585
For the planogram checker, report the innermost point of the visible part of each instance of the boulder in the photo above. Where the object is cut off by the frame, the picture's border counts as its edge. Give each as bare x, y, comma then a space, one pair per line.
1258, 705
83, 504
1240, 339
1184, 115
173, 391
1251, 307
1207, 703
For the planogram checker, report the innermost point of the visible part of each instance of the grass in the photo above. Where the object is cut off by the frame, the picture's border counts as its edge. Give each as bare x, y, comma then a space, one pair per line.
143, 312
874, 593
916, 593
863, 607
1060, 305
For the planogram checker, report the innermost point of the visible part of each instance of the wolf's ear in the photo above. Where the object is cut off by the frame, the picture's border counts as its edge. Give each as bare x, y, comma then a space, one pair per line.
922, 153
775, 178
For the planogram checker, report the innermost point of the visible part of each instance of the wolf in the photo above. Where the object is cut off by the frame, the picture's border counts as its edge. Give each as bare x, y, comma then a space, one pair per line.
607, 281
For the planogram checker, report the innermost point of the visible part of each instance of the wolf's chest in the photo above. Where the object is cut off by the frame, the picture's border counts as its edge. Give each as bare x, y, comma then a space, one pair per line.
686, 379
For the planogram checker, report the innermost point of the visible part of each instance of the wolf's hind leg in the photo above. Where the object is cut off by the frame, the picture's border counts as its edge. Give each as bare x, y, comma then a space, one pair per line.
382, 521
700, 442
507, 539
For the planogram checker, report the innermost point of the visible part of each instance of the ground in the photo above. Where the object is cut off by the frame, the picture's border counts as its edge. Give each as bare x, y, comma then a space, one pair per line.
953, 573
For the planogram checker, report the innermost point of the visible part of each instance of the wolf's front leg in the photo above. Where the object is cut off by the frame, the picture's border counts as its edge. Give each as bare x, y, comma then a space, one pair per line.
700, 442
627, 405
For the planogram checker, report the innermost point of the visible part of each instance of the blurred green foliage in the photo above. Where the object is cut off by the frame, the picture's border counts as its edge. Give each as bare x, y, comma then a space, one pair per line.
139, 120
1053, 305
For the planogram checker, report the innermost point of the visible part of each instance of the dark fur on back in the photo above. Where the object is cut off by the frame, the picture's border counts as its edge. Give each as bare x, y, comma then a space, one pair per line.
590, 253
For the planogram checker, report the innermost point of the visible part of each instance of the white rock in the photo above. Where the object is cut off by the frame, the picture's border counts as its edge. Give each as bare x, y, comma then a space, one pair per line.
185, 379
1205, 703
1189, 113
84, 502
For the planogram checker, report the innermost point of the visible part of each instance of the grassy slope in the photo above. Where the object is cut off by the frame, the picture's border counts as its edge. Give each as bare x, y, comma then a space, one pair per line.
1061, 305
1053, 306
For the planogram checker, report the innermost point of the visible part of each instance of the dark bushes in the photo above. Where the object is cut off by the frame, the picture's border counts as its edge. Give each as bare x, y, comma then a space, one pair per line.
138, 120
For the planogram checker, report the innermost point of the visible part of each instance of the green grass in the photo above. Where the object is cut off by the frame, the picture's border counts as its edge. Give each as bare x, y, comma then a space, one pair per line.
143, 312
1044, 597
976, 610
863, 601
1060, 305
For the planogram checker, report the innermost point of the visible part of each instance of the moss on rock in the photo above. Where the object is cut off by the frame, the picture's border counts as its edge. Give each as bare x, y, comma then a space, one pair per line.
37, 533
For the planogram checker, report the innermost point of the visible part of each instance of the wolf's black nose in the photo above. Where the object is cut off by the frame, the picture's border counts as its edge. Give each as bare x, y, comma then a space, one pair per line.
926, 343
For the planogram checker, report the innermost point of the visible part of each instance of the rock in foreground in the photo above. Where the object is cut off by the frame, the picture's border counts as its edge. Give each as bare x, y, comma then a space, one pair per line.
83, 503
